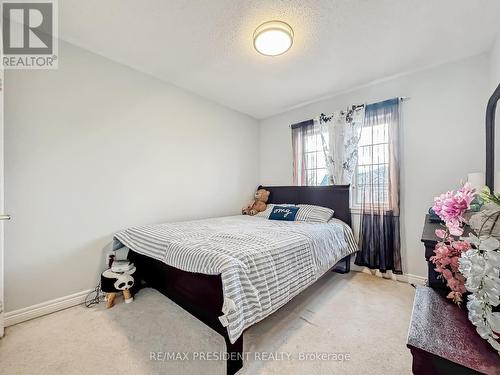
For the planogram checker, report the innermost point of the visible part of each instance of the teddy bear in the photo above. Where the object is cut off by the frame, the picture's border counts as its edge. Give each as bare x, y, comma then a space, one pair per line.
258, 204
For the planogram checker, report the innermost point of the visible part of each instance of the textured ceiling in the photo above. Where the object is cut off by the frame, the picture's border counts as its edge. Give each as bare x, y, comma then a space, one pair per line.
205, 46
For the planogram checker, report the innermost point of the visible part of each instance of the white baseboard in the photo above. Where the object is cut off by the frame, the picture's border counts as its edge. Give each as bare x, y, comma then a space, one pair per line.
44, 308
412, 279
48, 307
405, 278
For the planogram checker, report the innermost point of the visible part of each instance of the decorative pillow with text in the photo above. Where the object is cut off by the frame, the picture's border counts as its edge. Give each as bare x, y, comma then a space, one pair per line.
286, 213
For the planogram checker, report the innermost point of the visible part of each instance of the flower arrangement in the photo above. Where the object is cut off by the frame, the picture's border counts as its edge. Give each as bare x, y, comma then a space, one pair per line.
451, 207
471, 264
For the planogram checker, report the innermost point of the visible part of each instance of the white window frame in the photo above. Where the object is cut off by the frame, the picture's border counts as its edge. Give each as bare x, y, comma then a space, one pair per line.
355, 205
319, 153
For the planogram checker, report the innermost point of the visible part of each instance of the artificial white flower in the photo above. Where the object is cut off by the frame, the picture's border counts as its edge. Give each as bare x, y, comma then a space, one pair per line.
495, 344
481, 269
491, 290
490, 243
465, 262
493, 258
494, 321
472, 239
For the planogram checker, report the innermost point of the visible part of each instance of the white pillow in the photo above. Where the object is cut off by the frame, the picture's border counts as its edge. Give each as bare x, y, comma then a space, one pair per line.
309, 212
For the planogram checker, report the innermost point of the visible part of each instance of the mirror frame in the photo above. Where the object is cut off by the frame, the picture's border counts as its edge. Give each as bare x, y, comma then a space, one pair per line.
490, 138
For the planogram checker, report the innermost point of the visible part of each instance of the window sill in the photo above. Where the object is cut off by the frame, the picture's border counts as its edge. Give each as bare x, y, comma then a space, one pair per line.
357, 210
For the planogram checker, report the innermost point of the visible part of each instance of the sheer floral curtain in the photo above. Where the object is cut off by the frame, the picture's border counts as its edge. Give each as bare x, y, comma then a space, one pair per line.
379, 238
340, 133
327, 146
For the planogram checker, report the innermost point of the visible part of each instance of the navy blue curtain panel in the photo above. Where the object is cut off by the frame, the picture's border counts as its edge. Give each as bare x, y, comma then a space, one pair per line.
378, 186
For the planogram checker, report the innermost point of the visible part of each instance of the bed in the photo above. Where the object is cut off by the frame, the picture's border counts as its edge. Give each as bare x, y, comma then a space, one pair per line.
232, 272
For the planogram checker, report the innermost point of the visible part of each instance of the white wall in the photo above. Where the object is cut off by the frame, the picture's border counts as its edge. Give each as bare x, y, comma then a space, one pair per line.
95, 147
442, 138
495, 63
495, 81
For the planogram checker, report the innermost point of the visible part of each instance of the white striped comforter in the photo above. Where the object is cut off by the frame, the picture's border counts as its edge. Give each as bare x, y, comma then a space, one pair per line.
263, 263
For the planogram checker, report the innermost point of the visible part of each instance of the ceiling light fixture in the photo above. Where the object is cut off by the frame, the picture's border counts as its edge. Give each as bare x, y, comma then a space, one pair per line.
273, 38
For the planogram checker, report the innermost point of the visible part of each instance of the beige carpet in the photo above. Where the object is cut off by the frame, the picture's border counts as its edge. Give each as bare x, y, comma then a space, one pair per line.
356, 314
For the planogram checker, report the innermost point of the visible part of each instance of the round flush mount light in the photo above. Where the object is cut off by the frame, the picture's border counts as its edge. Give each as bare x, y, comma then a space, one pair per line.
273, 38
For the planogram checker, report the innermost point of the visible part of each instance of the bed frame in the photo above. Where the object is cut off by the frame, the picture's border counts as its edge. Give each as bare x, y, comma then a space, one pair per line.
201, 295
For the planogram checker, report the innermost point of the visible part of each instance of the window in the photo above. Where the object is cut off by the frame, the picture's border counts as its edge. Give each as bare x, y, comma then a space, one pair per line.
357, 143
371, 177
309, 156
314, 156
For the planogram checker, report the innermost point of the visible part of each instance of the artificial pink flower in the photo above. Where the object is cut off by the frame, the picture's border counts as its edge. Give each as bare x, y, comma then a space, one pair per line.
445, 261
454, 228
447, 274
454, 263
461, 245
455, 296
451, 205
452, 283
440, 233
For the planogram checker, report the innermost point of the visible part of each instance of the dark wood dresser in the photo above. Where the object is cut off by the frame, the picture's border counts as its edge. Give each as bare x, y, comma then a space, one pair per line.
442, 341
441, 338
430, 240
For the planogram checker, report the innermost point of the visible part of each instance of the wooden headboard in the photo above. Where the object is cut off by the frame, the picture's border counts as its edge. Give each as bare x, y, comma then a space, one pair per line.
335, 197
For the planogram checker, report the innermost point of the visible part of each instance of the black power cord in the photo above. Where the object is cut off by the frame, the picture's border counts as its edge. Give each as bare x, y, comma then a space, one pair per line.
94, 297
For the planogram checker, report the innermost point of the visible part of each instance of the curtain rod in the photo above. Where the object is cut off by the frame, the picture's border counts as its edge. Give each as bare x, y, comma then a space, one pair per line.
356, 106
